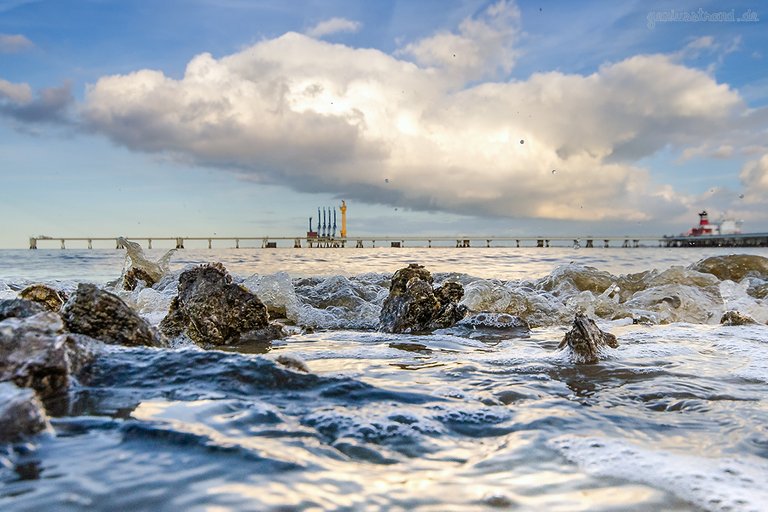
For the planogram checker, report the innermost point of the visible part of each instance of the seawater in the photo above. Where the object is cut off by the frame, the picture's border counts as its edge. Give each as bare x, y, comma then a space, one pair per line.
465, 418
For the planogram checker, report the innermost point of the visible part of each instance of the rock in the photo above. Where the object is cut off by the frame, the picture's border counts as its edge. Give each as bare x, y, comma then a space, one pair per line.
104, 316
50, 299
736, 318
21, 413
586, 340
413, 306
19, 308
33, 353
293, 363
210, 309
734, 267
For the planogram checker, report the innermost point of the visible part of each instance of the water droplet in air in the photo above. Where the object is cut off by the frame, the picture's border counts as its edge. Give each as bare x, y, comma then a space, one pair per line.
522, 141
554, 171
386, 180
741, 196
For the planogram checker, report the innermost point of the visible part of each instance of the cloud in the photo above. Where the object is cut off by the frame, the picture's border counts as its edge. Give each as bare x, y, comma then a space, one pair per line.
49, 105
378, 128
12, 43
754, 177
333, 26
16, 93
482, 46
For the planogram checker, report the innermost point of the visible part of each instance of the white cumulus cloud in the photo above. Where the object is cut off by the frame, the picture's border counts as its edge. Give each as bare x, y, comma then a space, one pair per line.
379, 128
333, 26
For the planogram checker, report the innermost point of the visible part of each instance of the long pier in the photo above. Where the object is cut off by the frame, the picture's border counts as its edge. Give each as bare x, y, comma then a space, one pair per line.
461, 241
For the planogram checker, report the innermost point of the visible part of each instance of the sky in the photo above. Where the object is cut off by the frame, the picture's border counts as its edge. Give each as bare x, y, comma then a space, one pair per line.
140, 118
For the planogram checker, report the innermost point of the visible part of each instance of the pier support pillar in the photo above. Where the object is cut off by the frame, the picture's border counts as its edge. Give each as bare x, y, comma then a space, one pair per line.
487, 243
149, 243
590, 243
209, 243
625, 244
546, 242
576, 244
179, 243
373, 244
517, 242
429, 243
237, 243
32, 243
90, 243
296, 243
359, 244
539, 243
62, 244
635, 243
605, 243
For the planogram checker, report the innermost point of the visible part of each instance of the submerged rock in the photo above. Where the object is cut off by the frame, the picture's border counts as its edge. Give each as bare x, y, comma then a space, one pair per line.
736, 318
734, 267
104, 316
413, 306
21, 413
19, 308
50, 299
37, 353
210, 309
586, 340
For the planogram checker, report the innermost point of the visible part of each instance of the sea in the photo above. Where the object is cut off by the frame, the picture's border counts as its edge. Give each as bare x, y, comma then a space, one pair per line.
479, 416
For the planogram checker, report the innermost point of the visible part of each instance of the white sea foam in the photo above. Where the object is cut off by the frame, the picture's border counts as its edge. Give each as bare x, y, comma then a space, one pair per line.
715, 484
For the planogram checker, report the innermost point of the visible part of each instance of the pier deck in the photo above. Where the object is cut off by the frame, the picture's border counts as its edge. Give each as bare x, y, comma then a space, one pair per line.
459, 241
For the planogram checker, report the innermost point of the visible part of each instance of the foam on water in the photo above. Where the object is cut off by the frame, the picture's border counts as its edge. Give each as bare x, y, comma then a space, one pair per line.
714, 484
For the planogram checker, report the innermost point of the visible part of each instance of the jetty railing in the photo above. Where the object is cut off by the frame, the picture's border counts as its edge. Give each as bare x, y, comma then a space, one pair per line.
373, 241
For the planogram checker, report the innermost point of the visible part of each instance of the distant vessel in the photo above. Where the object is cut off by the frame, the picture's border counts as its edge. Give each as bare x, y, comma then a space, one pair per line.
722, 227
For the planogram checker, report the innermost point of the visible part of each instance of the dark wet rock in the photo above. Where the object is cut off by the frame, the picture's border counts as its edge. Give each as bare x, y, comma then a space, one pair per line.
293, 363
586, 340
734, 267
409, 346
736, 318
211, 309
104, 316
133, 275
21, 413
19, 308
50, 299
414, 306
36, 352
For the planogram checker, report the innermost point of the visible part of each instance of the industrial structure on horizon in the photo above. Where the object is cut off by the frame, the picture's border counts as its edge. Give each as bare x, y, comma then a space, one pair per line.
325, 236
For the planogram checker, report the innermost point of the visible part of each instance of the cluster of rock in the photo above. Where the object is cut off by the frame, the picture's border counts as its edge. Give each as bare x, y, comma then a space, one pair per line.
212, 310
413, 305
47, 338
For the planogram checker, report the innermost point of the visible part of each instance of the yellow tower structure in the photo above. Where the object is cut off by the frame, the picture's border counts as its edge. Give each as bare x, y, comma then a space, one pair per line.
343, 209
